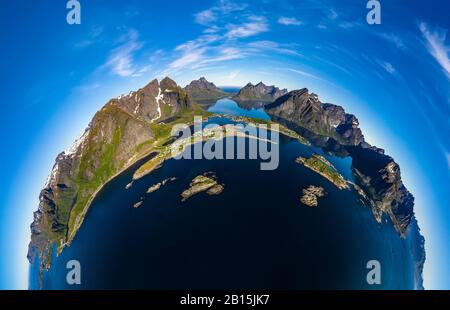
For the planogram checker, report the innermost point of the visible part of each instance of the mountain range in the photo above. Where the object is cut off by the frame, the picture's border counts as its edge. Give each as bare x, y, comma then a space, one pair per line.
259, 92
202, 90
133, 126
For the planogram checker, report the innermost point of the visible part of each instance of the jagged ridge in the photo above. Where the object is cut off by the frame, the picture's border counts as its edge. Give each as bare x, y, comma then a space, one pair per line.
124, 130
202, 90
259, 92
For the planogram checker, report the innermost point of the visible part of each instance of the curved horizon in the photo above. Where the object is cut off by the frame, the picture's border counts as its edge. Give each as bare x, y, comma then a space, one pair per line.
394, 77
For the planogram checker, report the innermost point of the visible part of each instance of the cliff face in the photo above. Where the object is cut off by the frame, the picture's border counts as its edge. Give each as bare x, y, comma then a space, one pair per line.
121, 132
259, 92
377, 174
202, 90
305, 110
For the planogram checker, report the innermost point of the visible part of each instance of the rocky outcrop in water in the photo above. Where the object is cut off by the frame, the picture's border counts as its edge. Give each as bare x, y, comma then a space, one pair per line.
206, 182
311, 195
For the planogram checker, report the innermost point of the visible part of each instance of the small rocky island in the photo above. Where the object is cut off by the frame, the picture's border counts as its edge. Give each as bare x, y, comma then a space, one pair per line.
311, 195
323, 167
139, 203
158, 185
205, 182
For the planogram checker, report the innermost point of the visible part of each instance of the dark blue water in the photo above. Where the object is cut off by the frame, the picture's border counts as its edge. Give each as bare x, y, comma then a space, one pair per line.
255, 235
230, 107
230, 89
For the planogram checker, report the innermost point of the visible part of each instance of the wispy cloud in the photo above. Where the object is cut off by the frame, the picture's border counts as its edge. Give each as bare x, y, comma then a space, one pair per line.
227, 6
226, 38
273, 46
288, 21
212, 29
223, 7
447, 155
255, 25
205, 17
92, 37
388, 67
205, 50
121, 61
348, 25
392, 38
233, 74
187, 58
435, 43
304, 73
332, 14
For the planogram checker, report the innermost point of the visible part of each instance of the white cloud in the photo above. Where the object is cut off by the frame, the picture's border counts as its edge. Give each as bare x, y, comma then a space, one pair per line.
205, 17
203, 51
447, 155
348, 25
258, 46
304, 73
92, 37
120, 60
226, 6
212, 29
396, 40
288, 21
435, 42
332, 14
388, 67
224, 54
187, 59
233, 75
254, 26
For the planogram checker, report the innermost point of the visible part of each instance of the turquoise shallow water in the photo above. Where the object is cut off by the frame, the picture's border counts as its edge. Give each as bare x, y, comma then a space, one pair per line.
255, 235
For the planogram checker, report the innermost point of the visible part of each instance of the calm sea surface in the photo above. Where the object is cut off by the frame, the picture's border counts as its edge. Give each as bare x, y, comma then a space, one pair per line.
255, 235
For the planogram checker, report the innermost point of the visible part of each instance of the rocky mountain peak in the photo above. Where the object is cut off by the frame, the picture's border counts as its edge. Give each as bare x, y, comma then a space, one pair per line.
202, 89
150, 87
304, 109
168, 84
259, 92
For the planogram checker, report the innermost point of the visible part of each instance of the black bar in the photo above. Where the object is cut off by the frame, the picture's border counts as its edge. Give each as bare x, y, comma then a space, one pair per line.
222, 298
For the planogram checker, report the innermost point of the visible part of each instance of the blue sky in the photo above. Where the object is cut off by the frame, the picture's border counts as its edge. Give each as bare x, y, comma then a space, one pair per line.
395, 77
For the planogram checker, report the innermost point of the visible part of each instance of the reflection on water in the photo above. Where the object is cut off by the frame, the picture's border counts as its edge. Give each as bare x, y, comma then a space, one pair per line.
230, 107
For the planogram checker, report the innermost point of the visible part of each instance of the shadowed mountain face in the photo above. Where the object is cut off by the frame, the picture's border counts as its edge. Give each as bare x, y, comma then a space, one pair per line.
377, 174
121, 132
259, 92
305, 110
202, 90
